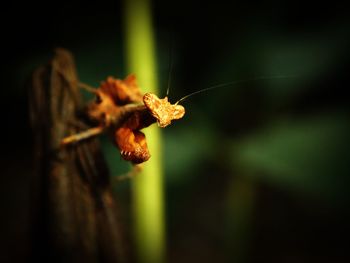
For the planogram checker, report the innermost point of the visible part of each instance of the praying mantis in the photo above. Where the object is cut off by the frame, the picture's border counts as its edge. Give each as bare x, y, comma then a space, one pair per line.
122, 111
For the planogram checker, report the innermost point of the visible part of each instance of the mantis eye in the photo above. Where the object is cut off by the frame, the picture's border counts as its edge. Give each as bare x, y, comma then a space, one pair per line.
178, 112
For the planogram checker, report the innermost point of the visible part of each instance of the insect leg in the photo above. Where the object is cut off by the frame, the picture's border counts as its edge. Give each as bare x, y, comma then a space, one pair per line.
87, 87
82, 135
135, 170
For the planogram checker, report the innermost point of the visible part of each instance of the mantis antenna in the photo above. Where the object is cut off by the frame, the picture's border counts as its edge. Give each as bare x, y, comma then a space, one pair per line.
222, 85
170, 68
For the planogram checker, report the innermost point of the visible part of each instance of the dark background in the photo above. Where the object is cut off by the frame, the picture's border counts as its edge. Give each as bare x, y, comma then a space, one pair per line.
256, 172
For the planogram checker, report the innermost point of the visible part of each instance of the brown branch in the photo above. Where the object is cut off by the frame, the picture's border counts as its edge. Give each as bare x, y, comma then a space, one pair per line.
74, 213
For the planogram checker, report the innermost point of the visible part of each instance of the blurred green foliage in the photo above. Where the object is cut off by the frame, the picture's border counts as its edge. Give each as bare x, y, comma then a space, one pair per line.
306, 155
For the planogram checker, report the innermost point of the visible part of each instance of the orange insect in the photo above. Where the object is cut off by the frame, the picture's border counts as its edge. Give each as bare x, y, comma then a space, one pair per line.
121, 110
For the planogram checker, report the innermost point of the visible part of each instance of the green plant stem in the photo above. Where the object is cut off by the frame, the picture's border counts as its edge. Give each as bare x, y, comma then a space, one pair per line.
148, 193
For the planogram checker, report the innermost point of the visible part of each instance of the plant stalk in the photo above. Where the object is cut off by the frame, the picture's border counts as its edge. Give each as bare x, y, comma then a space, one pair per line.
147, 192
